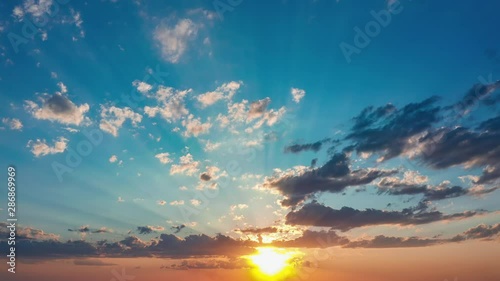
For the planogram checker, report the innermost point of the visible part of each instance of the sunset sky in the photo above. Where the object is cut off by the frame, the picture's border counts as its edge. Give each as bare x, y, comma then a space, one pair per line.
177, 140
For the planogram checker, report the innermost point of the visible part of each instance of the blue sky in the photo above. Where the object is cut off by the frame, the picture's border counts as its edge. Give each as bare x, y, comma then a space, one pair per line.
196, 110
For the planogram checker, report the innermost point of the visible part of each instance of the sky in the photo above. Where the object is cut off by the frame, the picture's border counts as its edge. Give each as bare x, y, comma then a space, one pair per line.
173, 139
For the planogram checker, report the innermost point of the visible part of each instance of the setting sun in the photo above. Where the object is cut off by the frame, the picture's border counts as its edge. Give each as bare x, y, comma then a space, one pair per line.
271, 261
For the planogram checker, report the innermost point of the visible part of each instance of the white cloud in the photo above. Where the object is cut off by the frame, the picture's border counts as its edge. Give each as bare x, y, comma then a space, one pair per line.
194, 126
195, 202
41, 148
211, 146
59, 108
186, 166
225, 91
13, 123
113, 159
32, 7
142, 87
171, 104
177, 203
164, 158
297, 94
114, 117
173, 40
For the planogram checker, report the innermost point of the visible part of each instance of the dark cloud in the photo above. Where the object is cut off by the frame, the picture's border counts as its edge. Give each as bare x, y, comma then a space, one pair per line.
479, 92
394, 186
87, 229
482, 232
334, 176
382, 241
60, 104
297, 148
447, 147
269, 229
178, 228
205, 177
144, 229
231, 263
314, 239
387, 130
315, 214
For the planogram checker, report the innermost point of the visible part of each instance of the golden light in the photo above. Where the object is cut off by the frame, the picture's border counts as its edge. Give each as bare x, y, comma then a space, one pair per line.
273, 261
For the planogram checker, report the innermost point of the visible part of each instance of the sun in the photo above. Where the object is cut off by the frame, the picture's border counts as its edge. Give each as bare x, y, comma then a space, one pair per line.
271, 261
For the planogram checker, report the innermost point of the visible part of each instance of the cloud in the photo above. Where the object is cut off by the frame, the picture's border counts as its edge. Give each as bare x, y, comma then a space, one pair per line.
258, 108
186, 166
388, 130
171, 104
297, 148
224, 92
13, 123
482, 231
448, 147
177, 203
164, 157
334, 176
113, 159
41, 148
314, 239
178, 228
87, 229
58, 108
382, 241
477, 93
149, 229
194, 126
32, 7
114, 117
414, 184
142, 87
173, 40
269, 229
346, 218
297, 94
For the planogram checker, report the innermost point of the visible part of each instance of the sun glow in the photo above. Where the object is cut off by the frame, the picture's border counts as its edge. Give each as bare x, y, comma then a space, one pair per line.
272, 261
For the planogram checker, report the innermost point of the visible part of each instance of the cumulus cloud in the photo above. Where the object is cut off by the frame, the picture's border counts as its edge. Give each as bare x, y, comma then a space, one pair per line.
173, 40
225, 92
13, 123
112, 118
41, 148
194, 126
164, 157
186, 166
297, 94
334, 176
297, 148
171, 105
346, 218
58, 108
113, 159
